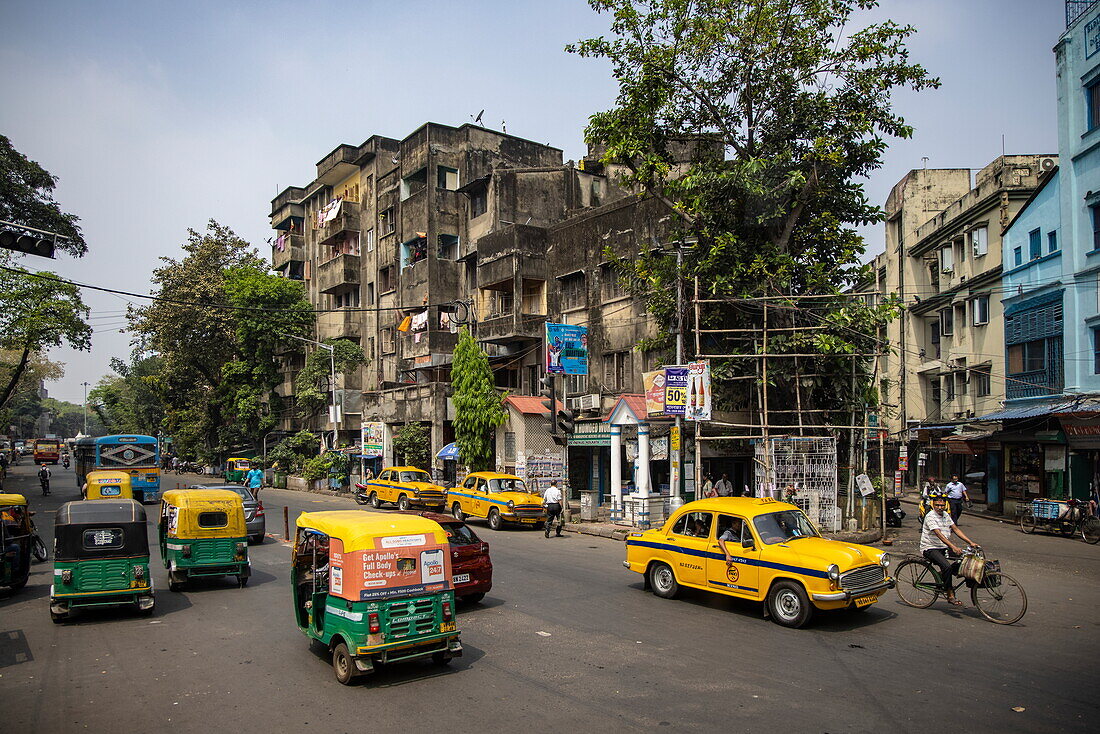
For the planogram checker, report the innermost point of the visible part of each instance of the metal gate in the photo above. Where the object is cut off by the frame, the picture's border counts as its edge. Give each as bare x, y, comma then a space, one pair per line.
802, 471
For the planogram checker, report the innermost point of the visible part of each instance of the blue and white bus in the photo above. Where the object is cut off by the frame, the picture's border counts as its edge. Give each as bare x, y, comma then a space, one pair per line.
138, 456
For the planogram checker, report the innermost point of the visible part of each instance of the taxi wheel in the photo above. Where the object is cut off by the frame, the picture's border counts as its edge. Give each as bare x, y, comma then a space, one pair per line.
374, 501
343, 665
789, 605
494, 519
663, 581
402, 503
457, 513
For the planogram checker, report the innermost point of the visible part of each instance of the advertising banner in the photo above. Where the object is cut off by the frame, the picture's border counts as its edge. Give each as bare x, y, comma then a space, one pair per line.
676, 383
698, 392
654, 385
398, 565
373, 439
566, 349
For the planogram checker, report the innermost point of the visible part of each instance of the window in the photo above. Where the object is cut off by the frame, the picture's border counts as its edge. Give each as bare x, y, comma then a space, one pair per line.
1052, 242
611, 283
509, 446
368, 240
1096, 351
979, 241
389, 346
213, 519
101, 538
960, 318
1092, 103
503, 303
961, 382
385, 279
1027, 357
1017, 256
1035, 245
694, 525
937, 396
947, 259
414, 183
447, 247
446, 178
949, 387
1094, 210
982, 382
348, 299
959, 247
738, 527
414, 251
947, 322
980, 309
576, 384
534, 298
934, 338
616, 370
370, 294
479, 203
387, 222
573, 291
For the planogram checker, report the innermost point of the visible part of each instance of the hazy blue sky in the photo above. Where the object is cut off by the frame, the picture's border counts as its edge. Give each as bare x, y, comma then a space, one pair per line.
159, 116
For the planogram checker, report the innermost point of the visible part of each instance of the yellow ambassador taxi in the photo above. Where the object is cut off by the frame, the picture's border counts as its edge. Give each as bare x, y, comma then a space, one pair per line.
762, 550
405, 486
499, 498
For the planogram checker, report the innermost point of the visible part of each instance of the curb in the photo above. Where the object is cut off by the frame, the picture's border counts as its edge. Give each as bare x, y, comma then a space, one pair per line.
596, 530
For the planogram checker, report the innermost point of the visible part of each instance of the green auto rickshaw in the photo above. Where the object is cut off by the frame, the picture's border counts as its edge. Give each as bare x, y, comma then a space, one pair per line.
202, 533
16, 538
374, 589
101, 557
236, 469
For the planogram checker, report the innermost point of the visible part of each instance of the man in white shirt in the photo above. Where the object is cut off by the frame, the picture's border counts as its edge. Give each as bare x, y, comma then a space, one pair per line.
724, 486
552, 501
956, 493
935, 540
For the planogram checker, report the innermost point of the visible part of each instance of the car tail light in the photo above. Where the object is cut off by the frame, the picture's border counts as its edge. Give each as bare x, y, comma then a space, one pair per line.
484, 547
375, 626
260, 510
447, 611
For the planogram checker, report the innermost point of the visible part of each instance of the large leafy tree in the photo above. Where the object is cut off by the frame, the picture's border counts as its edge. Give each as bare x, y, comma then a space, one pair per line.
216, 326
753, 122
26, 197
129, 401
413, 444
313, 384
478, 405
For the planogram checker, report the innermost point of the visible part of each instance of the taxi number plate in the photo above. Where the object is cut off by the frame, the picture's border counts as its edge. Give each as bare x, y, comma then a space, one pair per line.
862, 601
524, 519
460, 578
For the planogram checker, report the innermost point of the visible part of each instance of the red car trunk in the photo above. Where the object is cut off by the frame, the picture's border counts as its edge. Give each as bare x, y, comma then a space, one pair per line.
471, 567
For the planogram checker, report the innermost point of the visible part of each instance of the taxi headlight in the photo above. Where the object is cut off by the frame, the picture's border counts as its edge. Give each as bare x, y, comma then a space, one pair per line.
416, 492
511, 505
834, 574
885, 560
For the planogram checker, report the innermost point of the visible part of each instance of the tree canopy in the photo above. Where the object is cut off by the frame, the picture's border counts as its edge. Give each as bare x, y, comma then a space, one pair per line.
26, 197
478, 408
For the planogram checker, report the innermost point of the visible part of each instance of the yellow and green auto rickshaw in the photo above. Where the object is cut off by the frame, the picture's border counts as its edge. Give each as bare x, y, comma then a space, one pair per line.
202, 533
101, 557
374, 588
236, 468
16, 537
107, 484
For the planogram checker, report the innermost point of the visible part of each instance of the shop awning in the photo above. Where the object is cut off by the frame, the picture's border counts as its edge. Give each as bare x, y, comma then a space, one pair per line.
448, 452
1029, 411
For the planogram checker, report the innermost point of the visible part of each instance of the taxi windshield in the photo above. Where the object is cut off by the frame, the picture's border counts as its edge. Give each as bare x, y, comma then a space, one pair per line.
507, 485
413, 476
779, 527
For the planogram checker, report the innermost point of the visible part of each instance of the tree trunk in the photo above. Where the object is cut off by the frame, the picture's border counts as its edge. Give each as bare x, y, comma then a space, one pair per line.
9, 391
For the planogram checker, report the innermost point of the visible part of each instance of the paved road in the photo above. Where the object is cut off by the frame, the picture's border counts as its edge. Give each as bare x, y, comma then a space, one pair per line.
567, 640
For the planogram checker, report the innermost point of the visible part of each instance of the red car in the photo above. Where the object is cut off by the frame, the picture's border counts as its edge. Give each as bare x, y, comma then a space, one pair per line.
471, 568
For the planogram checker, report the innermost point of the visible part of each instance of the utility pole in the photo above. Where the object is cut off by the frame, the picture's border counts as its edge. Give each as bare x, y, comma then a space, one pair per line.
85, 384
675, 454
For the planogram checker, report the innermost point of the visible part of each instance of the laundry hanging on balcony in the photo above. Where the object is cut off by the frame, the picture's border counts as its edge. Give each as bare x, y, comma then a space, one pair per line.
280, 243
330, 212
420, 321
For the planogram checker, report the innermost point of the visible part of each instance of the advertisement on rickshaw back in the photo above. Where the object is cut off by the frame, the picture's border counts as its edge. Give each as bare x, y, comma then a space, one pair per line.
398, 565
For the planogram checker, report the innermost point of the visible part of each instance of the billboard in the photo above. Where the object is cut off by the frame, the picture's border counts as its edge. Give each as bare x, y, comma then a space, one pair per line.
566, 349
698, 392
654, 384
676, 384
374, 438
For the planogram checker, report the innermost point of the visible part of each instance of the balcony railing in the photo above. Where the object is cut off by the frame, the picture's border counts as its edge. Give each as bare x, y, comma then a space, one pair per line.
337, 273
287, 247
1034, 384
1076, 8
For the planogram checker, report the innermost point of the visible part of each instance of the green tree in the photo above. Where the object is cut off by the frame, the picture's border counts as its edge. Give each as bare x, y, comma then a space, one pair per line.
412, 443
26, 197
130, 400
478, 404
291, 454
313, 384
753, 122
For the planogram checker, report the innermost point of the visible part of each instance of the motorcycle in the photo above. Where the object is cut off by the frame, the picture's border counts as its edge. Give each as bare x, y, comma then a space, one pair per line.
65, 462
894, 513
362, 494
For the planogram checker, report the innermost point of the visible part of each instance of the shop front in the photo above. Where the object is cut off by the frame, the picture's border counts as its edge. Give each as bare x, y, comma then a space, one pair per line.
1082, 431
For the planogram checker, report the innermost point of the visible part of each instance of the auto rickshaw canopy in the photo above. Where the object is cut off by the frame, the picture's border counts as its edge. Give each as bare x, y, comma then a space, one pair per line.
104, 529
233, 462
357, 530
12, 499
195, 513
108, 484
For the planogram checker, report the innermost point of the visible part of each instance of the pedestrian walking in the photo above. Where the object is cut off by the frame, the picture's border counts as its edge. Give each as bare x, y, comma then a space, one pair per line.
552, 500
956, 493
254, 480
724, 487
708, 487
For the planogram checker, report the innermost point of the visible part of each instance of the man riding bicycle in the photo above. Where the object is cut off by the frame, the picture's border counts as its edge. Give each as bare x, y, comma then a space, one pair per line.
935, 541
44, 479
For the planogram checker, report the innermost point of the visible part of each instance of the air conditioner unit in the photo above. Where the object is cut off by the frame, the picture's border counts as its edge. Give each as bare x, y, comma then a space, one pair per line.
1047, 164
587, 402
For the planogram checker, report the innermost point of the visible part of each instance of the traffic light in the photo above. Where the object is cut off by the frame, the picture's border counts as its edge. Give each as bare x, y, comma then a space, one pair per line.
29, 241
550, 403
565, 421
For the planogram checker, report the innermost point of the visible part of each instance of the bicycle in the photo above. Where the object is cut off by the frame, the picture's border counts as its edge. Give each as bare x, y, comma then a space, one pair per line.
1075, 519
998, 597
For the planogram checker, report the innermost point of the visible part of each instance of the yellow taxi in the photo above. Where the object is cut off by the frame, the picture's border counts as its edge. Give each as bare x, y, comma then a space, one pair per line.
762, 550
404, 486
499, 498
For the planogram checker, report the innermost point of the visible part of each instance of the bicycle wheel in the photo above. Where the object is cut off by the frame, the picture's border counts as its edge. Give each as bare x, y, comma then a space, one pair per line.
1067, 526
1028, 523
1090, 530
38, 549
999, 598
917, 584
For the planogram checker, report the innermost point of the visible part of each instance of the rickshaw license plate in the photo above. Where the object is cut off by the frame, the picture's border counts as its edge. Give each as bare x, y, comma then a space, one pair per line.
460, 579
863, 601
110, 491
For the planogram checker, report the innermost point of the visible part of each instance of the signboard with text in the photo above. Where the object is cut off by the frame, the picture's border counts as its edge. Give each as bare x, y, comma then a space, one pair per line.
374, 437
676, 384
566, 349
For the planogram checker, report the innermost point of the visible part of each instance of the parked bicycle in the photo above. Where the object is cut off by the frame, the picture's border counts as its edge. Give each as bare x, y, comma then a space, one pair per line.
1071, 517
997, 596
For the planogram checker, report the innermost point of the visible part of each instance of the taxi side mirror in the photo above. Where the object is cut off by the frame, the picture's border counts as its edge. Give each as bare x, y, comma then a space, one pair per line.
748, 544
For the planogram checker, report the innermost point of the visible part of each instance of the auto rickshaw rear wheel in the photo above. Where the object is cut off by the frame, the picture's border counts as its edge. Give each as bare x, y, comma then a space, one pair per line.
442, 658
343, 665
242, 581
175, 581
57, 618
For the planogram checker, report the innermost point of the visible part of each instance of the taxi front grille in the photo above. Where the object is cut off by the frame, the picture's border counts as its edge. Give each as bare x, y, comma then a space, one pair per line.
861, 578
431, 496
413, 617
528, 511
103, 575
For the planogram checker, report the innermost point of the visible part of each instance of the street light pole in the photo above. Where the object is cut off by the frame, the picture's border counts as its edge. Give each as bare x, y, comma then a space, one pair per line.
85, 384
334, 413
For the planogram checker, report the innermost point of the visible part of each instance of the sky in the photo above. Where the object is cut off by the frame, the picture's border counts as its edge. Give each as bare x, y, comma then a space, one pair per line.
157, 117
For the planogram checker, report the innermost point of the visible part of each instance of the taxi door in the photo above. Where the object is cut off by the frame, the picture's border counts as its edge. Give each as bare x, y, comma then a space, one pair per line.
689, 539
480, 493
381, 486
742, 576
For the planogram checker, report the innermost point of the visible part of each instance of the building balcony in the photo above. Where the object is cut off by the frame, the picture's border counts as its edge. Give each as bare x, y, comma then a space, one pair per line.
337, 274
337, 165
287, 247
501, 328
341, 324
288, 215
346, 221
1034, 384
